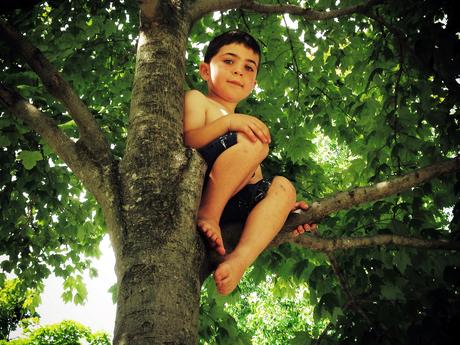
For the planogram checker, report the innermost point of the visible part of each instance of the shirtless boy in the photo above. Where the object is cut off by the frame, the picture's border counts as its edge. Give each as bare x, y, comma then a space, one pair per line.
233, 146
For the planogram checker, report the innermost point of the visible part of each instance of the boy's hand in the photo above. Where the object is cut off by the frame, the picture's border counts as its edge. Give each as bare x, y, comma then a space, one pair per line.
249, 125
305, 227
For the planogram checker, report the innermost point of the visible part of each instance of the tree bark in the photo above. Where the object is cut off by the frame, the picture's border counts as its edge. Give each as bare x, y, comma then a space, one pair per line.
161, 253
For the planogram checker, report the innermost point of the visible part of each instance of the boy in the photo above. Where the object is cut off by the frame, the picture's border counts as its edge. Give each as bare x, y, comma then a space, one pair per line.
233, 146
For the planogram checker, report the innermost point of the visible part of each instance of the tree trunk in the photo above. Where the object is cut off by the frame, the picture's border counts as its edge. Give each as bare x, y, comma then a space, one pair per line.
149, 203
161, 253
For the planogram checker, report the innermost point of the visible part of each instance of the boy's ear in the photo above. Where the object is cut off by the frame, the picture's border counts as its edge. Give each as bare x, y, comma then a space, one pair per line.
205, 71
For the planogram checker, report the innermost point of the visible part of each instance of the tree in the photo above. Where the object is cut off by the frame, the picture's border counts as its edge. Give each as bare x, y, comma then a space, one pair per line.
15, 306
64, 333
354, 93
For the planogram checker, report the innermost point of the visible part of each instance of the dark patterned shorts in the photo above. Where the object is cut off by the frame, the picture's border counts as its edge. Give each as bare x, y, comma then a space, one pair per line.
242, 203
213, 150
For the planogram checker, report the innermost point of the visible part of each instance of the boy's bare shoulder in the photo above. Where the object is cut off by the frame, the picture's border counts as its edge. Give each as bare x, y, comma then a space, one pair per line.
195, 95
196, 101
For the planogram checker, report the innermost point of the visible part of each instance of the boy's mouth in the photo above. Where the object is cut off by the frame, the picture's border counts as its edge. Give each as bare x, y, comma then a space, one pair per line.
235, 82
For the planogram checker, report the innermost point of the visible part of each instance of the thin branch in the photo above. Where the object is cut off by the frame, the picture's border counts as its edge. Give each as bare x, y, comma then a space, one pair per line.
231, 234
395, 123
90, 133
296, 65
202, 7
243, 18
352, 302
329, 327
73, 154
325, 94
346, 243
405, 44
189, 82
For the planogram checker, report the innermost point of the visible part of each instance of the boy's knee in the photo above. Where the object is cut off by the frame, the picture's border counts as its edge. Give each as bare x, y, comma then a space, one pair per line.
286, 186
257, 147
263, 149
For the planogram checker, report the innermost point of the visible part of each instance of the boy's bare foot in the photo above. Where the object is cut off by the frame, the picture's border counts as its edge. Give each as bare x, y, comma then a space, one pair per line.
228, 274
211, 230
303, 228
302, 205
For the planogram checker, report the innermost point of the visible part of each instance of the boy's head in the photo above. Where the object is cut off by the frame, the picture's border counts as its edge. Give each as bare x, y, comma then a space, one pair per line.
230, 66
229, 37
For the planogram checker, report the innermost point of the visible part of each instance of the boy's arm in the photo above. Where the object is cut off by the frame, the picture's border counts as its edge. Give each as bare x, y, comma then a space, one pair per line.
196, 132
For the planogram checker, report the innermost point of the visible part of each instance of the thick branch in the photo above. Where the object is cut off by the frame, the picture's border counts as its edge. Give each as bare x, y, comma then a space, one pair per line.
345, 200
90, 133
73, 154
148, 8
203, 7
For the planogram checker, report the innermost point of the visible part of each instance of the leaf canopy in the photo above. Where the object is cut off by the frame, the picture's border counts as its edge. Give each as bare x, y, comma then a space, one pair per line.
349, 101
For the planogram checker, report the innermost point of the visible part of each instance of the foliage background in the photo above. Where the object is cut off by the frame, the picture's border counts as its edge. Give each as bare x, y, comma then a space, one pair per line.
349, 101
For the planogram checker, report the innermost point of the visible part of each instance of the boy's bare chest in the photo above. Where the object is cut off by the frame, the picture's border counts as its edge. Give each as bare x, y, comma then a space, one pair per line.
214, 112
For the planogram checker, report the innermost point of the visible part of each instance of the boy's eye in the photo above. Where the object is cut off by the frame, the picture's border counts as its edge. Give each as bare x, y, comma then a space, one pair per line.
249, 68
228, 61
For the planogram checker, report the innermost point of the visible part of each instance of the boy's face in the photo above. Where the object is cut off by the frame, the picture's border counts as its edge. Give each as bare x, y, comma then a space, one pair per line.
231, 73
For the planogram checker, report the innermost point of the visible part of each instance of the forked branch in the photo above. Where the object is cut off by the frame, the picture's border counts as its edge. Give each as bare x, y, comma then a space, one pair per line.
90, 133
73, 154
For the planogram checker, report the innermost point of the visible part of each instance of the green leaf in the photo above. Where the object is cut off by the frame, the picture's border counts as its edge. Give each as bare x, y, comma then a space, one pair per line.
301, 338
402, 260
4, 141
392, 292
29, 158
113, 290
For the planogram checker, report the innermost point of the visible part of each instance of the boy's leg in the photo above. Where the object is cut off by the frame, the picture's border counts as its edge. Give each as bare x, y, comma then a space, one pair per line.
231, 171
262, 225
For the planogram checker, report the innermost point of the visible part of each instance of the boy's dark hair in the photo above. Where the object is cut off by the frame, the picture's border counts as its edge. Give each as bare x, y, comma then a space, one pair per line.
229, 37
